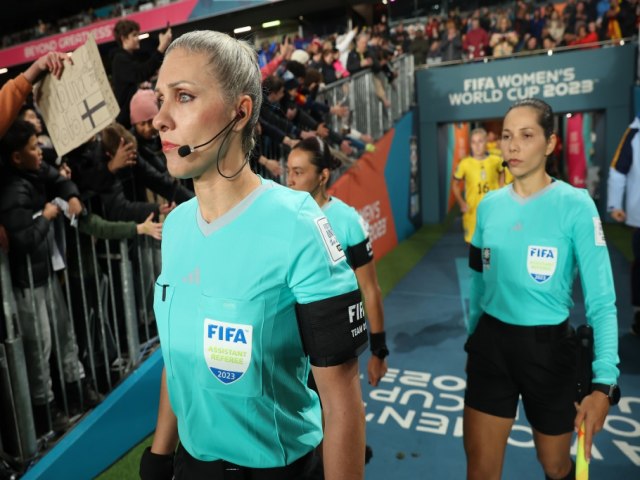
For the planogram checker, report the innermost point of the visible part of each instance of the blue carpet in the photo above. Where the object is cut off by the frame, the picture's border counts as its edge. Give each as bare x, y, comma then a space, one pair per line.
414, 417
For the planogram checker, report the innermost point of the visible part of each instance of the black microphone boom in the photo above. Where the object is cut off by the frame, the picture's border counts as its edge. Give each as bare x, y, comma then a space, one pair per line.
185, 150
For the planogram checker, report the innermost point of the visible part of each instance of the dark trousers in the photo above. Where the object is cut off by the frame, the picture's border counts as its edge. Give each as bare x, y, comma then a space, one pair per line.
186, 467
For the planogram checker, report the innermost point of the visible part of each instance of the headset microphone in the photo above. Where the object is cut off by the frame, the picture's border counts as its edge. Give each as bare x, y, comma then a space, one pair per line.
185, 150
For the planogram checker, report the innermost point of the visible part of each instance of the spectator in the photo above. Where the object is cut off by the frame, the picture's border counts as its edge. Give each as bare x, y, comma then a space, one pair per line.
451, 42
434, 56
503, 40
530, 45
327, 69
537, 24
556, 27
476, 41
611, 21
400, 37
419, 48
28, 114
150, 170
521, 21
29, 186
432, 29
586, 35
569, 15
127, 71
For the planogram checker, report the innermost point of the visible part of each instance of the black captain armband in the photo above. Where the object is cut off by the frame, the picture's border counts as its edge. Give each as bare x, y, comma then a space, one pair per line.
360, 254
333, 330
475, 259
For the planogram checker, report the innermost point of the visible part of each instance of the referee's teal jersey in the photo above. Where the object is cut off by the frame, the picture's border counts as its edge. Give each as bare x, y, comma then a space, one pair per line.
225, 309
531, 249
351, 229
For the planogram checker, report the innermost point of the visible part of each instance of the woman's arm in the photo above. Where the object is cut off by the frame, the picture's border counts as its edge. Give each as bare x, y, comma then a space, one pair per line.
165, 439
372, 299
344, 430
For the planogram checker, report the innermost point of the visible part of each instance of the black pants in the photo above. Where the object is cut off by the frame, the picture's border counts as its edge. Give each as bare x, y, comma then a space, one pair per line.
309, 467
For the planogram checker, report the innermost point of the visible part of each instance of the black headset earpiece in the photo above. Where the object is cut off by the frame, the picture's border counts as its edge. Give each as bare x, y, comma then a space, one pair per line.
240, 115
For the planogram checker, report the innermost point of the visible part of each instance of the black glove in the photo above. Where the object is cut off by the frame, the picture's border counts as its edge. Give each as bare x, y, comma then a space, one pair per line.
156, 467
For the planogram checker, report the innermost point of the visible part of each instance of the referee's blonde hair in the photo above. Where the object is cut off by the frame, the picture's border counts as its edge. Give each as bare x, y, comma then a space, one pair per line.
234, 65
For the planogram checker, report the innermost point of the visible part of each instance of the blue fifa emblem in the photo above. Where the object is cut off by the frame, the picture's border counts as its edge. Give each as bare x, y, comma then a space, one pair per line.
541, 262
227, 349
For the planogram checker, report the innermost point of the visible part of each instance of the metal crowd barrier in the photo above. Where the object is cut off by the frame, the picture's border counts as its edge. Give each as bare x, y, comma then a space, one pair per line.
108, 296
368, 114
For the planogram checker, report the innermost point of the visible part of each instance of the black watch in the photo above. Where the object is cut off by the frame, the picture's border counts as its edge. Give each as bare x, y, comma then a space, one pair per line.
381, 353
611, 391
378, 343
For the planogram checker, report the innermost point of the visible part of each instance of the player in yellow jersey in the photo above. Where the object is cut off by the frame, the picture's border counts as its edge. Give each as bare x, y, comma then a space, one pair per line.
481, 173
493, 147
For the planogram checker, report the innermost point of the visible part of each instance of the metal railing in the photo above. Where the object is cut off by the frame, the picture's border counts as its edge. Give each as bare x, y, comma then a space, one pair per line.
108, 287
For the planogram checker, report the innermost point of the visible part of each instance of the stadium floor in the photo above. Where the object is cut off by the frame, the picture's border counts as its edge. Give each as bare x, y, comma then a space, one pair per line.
414, 417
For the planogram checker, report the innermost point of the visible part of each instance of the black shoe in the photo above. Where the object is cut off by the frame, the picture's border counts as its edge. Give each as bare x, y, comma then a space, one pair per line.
85, 399
59, 420
368, 453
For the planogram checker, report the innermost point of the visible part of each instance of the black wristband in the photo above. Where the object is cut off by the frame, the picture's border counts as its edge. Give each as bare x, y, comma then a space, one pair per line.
156, 467
377, 341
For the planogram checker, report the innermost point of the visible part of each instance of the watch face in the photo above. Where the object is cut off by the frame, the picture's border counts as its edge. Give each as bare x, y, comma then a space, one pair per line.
614, 396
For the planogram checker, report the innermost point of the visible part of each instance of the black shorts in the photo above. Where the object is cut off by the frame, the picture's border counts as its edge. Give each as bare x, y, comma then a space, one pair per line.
538, 363
186, 467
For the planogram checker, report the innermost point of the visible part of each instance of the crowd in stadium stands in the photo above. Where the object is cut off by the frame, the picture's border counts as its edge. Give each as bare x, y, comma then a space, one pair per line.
106, 178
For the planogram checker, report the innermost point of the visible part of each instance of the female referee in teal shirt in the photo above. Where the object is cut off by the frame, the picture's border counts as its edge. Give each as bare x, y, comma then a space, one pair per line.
309, 167
530, 237
253, 290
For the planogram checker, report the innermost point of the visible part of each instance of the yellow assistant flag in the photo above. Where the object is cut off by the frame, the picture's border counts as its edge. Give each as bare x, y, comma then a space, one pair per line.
582, 467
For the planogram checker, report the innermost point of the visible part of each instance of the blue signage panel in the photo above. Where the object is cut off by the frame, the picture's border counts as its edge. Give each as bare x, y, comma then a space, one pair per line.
569, 81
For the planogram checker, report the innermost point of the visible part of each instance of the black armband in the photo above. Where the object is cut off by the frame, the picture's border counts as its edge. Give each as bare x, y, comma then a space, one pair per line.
155, 467
333, 330
360, 254
475, 259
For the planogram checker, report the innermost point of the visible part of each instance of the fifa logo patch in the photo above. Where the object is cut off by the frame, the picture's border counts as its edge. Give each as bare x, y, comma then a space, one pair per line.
331, 242
486, 258
541, 262
227, 349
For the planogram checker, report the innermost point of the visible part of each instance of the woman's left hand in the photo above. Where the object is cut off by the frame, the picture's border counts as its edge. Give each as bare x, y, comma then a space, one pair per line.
376, 369
592, 411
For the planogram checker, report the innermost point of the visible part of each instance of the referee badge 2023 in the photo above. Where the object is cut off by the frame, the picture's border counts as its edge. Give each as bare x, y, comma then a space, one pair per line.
541, 262
227, 349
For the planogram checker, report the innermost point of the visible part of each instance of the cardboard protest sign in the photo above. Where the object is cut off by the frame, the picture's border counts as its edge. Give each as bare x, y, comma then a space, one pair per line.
81, 103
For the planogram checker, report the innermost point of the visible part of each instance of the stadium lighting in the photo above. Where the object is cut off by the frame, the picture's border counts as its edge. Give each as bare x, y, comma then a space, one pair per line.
3, 70
569, 115
142, 36
384, 2
242, 29
274, 23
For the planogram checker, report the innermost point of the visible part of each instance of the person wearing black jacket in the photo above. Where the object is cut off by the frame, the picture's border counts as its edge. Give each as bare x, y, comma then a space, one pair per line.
127, 70
95, 173
150, 169
28, 187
